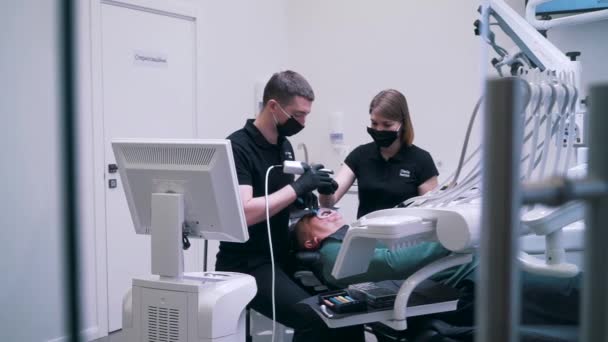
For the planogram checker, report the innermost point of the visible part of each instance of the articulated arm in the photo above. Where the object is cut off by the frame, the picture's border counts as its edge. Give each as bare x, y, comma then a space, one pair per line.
537, 48
569, 20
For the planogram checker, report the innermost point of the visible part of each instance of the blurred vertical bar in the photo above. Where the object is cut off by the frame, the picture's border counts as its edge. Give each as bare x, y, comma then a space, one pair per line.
67, 69
595, 284
33, 169
497, 308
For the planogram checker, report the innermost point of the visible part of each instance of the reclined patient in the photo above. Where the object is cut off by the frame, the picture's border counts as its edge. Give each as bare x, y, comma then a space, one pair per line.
545, 300
325, 230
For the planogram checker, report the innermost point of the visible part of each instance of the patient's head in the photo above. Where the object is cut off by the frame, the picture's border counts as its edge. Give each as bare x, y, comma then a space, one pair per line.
313, 228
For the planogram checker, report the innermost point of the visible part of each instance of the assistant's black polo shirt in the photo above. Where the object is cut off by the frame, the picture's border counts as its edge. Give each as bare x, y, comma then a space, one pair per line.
253, 154
383, 184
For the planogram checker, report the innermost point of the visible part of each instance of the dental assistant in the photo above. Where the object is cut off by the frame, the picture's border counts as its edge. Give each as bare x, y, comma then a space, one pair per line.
389, 170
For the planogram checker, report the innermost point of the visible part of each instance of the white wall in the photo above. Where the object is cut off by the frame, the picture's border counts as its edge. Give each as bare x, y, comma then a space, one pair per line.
592, 41
350, 50
31, 223
244, 42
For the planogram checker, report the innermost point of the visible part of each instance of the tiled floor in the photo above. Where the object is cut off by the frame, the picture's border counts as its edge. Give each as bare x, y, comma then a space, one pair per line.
261, 328
117, 336
113, 337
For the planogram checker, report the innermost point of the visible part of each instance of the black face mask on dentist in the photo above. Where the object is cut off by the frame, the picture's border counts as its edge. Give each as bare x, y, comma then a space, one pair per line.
289, 127
383, 138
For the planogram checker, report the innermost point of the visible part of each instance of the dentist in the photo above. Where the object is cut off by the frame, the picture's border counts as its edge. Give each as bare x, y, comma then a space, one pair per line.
287, 102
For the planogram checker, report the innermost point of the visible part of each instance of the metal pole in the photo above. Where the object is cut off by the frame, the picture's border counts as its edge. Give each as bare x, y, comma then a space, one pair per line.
497, 308
595, 298
560, 190
70, 177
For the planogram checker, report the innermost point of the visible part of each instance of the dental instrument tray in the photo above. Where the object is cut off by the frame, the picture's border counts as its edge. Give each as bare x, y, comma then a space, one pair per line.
375, 295
429, 297
341, 302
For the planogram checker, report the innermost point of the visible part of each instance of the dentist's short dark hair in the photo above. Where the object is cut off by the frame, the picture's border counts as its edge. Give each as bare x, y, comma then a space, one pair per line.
284, 86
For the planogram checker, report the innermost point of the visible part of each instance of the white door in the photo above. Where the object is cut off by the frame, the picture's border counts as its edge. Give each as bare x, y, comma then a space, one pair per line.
149, 87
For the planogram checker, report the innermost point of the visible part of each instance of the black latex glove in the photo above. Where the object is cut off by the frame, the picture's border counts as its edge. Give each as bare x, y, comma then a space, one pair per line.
311, 180
329, 189
310, 201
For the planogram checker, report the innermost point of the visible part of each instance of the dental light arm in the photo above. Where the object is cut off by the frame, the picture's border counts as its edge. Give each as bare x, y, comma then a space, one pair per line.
535, 47
570, 20
551, 61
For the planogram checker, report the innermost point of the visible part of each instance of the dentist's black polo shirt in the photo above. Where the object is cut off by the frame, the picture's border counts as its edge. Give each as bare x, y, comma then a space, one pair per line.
253, 154
384, 184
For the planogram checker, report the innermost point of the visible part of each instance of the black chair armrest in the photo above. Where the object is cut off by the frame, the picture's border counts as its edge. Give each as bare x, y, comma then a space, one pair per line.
307, 258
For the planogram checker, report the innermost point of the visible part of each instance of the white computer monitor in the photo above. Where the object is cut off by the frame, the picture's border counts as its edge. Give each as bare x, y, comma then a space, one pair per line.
176, 186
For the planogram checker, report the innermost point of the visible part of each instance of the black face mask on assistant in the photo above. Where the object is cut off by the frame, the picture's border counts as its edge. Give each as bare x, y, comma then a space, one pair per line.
383, 138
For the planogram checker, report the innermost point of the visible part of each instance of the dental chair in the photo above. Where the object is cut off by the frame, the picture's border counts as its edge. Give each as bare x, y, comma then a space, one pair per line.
455, 325
457, 229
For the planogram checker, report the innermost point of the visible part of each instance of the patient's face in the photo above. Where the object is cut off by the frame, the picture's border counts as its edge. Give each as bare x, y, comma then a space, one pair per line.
326, 222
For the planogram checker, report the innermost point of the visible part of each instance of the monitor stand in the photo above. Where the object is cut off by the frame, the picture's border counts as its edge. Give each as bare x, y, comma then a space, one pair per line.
166, 225
175, 306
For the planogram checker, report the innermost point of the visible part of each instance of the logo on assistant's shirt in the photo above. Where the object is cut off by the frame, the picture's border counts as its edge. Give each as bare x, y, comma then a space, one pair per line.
404, 173
288, 155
